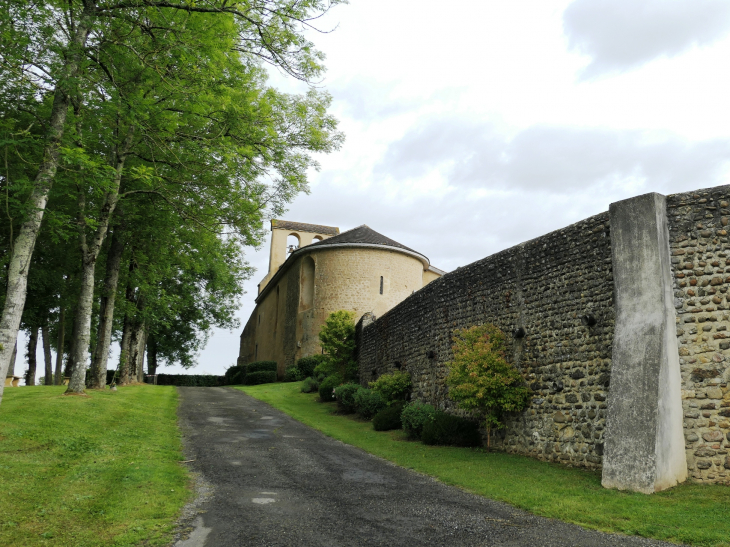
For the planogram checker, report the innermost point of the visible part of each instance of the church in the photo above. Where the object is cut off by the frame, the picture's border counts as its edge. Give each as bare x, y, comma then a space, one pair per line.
316, 270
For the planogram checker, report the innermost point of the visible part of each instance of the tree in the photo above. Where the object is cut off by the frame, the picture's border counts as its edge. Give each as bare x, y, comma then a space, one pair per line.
481, 379
337, 338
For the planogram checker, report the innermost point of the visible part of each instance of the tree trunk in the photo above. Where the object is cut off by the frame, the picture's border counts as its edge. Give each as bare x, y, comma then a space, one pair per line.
32, 357
11, 368
142, 342
124, 353
25, 242
59, 346
106, 312
48, 377
151, 355
90, 252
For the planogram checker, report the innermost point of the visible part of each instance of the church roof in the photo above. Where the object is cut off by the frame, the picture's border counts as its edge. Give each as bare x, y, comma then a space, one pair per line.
362, 235
303, 227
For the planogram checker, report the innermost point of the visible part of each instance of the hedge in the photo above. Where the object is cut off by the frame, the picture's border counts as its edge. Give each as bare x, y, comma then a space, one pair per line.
260, 366
260, 377
190, 380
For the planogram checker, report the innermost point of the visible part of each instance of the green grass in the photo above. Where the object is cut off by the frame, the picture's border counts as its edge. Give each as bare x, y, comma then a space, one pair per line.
689, 513
83, 471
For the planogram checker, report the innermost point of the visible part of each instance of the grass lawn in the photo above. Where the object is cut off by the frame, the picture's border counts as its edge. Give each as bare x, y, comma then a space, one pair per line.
82, 471
689, 513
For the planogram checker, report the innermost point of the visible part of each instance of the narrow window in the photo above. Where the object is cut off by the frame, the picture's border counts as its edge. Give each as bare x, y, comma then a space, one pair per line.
260, 316
256, 353
381, 284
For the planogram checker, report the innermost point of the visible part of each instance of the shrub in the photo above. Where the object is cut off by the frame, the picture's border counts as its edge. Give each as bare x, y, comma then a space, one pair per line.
414, 416
345, 395
327, 386
446, 429
309, 385
368, 402
393, 386
306, 364
234, 375
480, 377
260, 366
388, 418
293, 374
196, 380
260, 377
337, 338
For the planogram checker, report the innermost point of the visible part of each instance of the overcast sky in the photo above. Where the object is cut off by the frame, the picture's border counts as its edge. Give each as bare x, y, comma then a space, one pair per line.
475, 125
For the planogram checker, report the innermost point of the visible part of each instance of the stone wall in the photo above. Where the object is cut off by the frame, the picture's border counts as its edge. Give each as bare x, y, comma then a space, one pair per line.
549, 287
698, 224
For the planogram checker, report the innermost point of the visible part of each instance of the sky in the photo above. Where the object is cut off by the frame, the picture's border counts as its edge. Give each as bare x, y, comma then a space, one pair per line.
472, 126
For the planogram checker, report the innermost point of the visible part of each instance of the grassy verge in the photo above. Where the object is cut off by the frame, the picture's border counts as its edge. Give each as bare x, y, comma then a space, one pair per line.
690, 513
83, 471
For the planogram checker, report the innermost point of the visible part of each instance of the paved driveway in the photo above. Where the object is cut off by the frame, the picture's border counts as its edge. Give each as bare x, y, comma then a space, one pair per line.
276, 482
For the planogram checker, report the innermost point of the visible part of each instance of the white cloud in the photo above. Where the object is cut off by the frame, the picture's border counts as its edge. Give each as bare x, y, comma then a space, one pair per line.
620, 35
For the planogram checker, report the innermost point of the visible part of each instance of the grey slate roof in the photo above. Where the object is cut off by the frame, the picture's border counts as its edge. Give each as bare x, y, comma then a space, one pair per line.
362, 234
303, 227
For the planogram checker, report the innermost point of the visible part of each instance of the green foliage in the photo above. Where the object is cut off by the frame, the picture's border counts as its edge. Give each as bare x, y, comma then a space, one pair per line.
191, 380
293, 374
307, 364
234, 375
389, 418
327, 388
259, 366
368, 402
393, 386
261, 377
309, 385
445, 429
415, 416
345, 396
337, 338
481, 379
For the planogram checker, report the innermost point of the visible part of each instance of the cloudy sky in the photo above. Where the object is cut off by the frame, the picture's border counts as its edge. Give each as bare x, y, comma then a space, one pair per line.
474, 125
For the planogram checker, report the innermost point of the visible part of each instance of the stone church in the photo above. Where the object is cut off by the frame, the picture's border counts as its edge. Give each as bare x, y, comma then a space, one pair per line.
323, 271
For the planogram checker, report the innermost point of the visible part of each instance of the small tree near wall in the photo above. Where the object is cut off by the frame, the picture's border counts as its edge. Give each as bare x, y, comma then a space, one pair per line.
337, 338
481, 379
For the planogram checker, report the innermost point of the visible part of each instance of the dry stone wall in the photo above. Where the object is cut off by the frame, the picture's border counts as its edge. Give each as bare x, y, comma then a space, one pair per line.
698, 228
553, 287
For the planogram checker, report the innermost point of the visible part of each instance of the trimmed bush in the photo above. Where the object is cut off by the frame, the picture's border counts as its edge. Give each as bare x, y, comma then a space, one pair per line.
234, 375
306, 364
388, 418
368, 402
293, 374
414, 416
393, 386
345, 395
260, 366
327, 387
309, 385
446, 429
260, 377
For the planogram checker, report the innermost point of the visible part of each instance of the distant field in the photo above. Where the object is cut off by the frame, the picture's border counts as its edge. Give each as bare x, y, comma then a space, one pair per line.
690, 513
86, 471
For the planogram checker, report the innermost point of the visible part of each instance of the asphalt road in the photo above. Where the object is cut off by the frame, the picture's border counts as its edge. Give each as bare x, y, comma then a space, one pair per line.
268, 480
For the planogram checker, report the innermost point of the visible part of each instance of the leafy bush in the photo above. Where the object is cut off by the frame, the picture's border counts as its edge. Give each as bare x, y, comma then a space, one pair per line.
260, 366
234, 375
327, 386
480, 377
414, 416
309, 385
368, 402
194, 380
306, 364
345, 395
388, 418
393, 386
446, 429
260, 377
293, 374
337, 338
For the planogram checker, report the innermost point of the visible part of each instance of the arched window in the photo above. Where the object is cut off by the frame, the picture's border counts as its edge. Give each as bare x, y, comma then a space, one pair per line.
292, 243
317, 238
306, 284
